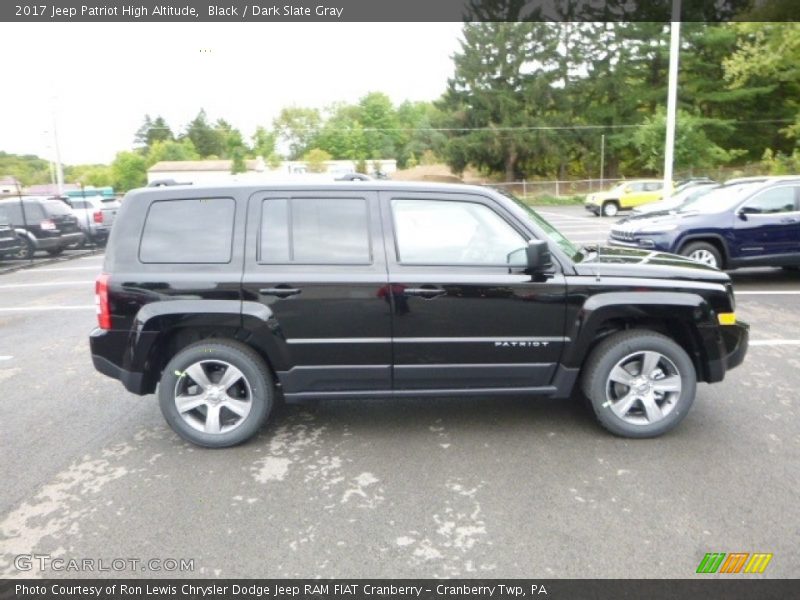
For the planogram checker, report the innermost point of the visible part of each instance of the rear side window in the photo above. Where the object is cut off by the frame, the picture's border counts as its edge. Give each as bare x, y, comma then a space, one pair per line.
314, 231
56, 207
198, 230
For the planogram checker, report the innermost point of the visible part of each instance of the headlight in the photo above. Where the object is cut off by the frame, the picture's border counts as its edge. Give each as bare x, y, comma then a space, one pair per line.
657, 229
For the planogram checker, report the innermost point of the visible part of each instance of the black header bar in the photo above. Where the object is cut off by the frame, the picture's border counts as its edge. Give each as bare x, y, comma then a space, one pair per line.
264, 11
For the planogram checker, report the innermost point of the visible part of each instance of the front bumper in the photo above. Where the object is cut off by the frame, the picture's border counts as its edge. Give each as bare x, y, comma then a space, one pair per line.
592, 208
732, 343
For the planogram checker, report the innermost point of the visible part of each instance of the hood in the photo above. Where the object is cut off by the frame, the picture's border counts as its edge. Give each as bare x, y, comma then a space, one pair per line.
631, 262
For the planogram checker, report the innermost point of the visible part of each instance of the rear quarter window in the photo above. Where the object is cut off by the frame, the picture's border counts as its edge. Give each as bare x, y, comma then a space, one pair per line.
197, 230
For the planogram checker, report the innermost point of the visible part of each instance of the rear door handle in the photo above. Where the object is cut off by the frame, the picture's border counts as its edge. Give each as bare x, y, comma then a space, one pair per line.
281, 291
425, 292
789, 220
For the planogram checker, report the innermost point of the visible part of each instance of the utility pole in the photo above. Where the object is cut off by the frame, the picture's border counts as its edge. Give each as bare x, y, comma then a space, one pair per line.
672, 94
602, 160
59, 169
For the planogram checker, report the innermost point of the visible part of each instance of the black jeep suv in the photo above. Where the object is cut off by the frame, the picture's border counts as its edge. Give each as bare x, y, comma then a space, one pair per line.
44, 224
225, 297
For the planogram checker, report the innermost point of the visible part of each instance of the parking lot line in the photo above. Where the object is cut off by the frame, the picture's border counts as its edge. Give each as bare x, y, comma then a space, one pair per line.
58, 270
6, 357
774, 343
8, 286
767, 293
49, 307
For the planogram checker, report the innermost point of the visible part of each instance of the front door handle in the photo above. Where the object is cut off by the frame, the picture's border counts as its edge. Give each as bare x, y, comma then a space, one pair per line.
425, 292
281, 291
788, 220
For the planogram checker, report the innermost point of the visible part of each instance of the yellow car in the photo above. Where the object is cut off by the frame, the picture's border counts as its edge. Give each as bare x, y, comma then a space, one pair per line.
625, 195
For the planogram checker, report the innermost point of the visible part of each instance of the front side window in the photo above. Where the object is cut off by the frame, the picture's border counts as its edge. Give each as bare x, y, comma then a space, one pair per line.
197, 230
445, 232
776, 200
314, 231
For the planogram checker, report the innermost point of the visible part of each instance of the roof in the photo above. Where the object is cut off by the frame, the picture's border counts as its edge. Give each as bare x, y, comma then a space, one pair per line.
201, 165
219, 189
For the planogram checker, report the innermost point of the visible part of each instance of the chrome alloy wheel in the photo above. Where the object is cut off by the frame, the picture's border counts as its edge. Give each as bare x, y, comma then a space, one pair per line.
213, 396
705, 257
643, 388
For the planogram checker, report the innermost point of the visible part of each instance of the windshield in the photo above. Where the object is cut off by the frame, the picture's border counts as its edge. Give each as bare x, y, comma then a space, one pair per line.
554, 234
719, 199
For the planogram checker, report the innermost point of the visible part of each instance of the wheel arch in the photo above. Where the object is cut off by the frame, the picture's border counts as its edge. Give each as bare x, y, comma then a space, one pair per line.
714, 239
168, 327
685, 318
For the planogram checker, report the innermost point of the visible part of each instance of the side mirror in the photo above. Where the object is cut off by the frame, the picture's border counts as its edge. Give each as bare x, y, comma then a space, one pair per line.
538, 256
746, 210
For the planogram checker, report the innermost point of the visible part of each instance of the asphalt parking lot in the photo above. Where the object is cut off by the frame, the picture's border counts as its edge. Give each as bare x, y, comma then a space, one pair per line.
481, 487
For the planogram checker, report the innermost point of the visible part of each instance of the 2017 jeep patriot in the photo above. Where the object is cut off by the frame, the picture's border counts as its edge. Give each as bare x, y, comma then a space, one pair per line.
223, 297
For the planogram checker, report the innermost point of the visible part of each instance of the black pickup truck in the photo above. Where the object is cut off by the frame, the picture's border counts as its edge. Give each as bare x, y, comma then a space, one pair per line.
226, 298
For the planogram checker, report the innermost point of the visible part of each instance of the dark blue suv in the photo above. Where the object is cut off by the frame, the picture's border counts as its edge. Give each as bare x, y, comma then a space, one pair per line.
742, 224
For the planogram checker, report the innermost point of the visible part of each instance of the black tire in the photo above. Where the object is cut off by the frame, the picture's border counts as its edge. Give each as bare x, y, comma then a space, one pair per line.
55, 251
27, 250
604, 393
257, 384
699, 250
610, 208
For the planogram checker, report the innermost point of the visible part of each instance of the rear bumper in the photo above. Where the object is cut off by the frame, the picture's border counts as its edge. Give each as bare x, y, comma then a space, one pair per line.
112, 357
132, 381
733, 344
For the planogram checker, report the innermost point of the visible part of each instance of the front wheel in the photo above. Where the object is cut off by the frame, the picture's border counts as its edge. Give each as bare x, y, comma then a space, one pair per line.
640, 383
216, 393
704, 253
610, 208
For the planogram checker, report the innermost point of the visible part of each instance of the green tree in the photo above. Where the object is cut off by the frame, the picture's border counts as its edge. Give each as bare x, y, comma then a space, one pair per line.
151, 131
298, 128
315, 159
263, 142
128, 171
171, 150
28, 169
207, 140
502, 85
693, 148
94, 175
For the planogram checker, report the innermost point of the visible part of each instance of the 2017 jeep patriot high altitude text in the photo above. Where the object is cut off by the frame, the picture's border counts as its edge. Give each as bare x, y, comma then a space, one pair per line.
222, 297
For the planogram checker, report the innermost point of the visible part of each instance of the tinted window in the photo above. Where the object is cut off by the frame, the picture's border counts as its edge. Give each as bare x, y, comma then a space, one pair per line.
452, 233
315, 231
188, 231
776, 200
56, 207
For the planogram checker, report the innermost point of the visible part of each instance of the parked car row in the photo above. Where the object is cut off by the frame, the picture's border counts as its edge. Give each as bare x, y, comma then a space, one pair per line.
48, 224
744, 222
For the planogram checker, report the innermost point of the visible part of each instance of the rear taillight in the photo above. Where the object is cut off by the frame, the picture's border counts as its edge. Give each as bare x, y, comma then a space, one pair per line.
101, 300
47, 225
98, 216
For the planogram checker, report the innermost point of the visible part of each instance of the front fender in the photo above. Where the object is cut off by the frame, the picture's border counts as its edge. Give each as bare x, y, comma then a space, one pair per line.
691, 310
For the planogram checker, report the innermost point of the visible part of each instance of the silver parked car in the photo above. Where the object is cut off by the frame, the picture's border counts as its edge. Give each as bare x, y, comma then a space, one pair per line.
95, 216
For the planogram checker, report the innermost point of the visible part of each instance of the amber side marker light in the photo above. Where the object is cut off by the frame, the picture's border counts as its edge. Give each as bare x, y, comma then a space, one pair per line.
727, 318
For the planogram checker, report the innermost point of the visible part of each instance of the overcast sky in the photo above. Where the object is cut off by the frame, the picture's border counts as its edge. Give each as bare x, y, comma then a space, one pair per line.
103, 78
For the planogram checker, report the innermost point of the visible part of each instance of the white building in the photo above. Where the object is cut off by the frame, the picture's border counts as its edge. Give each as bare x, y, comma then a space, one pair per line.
210, 171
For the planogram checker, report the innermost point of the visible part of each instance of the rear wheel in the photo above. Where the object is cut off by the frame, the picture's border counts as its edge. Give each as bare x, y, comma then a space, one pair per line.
640, 383
610, 208
704, 253
216, 393
27, 250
